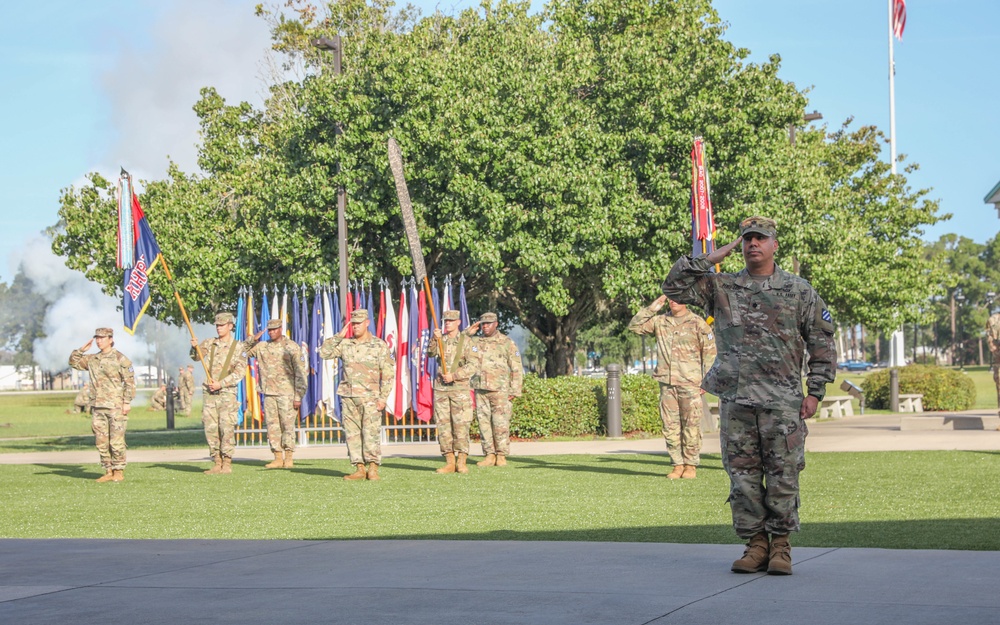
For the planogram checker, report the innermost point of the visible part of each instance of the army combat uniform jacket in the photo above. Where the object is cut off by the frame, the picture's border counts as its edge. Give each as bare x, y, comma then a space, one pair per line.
368, 370
685, 345
281, 365
112, 379
457, 350
497, 364
216, 353
763, 330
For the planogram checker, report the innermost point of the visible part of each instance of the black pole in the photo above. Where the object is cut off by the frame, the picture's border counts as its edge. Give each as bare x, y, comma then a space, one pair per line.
171, 391
614, 401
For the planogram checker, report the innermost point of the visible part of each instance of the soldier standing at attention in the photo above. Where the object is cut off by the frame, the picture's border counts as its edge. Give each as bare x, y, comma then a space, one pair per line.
159, 399
497, 363
283, 383
993, 338
685, 353
112, 388
368, 378
452, 394
226, 361
766, 320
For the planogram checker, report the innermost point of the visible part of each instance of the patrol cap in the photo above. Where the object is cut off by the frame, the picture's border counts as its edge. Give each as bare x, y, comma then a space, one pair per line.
489, 317
451, 315
224, 318
359, 315
274, 324
104, 332
760, 225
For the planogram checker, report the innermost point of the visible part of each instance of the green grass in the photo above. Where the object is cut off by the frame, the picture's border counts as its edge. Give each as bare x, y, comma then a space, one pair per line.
902, 500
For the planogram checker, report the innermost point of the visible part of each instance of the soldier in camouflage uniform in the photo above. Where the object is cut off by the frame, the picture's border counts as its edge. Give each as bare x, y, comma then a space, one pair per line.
159, 399
685, 353
226, 362
112, 388
499, 376
766, 321
185, 389
283, 383
993, 338
452, 394
81, 404
364, 389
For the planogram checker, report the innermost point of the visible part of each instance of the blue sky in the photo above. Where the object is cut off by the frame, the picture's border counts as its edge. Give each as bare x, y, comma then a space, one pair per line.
89, 86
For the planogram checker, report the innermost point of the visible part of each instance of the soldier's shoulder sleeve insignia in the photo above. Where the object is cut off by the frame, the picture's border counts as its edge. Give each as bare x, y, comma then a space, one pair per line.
825, 321
517, 353
244, 355
131, 369
475, 348
826, 315
710, 336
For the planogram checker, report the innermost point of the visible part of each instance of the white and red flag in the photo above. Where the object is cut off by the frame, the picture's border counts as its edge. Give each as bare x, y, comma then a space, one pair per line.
425, 393
898, 18
399, 397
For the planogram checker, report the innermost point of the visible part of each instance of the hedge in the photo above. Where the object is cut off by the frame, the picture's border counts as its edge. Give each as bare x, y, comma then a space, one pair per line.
943, 389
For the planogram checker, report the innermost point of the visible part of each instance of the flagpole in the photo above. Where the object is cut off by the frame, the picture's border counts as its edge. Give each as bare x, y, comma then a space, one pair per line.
892, 97
170, 278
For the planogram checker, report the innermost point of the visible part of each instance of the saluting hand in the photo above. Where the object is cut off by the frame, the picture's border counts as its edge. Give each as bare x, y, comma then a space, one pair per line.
658, 303
721, 253
87, 346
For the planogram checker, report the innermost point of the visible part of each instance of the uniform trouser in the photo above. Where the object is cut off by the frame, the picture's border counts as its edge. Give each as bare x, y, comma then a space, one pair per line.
362, 425
493, 410
763, 451
218, 416
109, 426
453, 416
280, 415
996, 382
681, 412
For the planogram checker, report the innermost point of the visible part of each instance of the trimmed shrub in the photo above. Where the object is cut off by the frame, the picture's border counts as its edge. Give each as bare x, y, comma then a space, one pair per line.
943, 389
640, 405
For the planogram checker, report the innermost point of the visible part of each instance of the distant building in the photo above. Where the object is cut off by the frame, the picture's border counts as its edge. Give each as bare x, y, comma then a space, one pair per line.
993, 197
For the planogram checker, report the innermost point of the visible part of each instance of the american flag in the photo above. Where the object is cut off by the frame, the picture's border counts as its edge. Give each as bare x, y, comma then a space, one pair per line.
898, 18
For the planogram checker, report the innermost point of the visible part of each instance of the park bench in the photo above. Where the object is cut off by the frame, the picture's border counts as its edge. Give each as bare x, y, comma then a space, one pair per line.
911, 403
836, 406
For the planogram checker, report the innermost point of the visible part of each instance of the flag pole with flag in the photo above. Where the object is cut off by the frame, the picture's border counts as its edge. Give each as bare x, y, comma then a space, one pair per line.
702, 217
897, 22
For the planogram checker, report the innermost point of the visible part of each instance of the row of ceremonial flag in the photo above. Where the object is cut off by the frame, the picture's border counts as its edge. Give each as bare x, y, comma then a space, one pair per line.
309, 320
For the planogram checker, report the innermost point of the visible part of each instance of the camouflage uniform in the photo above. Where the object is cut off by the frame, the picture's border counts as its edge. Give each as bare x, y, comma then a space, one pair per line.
685, 352
185, 390
498, 377
453, 402
159, 399
763, 327
368, 378
993, 339
282, 382
219, 412
81, 403
112, 385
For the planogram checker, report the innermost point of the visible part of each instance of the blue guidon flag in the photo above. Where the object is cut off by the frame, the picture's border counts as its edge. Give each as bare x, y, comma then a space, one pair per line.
138, 253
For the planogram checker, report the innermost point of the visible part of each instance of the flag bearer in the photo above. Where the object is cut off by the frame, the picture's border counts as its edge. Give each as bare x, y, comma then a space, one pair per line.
452, 394
226, 362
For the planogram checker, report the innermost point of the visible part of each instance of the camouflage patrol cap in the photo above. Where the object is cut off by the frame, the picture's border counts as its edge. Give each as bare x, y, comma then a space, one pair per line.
760, 225
274, 324
224, 318
451, 315
359, 315
488, 318
108, 332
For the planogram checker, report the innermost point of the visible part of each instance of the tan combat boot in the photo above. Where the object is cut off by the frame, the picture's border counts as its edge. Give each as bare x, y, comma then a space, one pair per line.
677, 472
359, 473
277, 463
449, 467
118, 475
460, 463
690, 472
501, 460
754, 557
780, 557
289, 464
217, 467
227, 466
373, 472
107, 477
489, 461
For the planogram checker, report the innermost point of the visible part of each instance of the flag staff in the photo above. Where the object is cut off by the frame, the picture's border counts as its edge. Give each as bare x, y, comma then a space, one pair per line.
897, 21
187, 321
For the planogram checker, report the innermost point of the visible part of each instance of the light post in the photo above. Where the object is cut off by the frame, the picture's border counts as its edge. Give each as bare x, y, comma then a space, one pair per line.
334, 44
956, 296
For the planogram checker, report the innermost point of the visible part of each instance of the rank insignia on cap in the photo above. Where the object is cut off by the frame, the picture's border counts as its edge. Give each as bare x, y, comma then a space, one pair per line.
827, 316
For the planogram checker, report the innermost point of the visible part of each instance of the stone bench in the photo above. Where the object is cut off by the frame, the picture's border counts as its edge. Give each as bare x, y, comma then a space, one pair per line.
836, 407
911, 403
710, 416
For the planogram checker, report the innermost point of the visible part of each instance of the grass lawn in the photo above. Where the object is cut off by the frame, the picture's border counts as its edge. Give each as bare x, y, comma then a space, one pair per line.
906, 500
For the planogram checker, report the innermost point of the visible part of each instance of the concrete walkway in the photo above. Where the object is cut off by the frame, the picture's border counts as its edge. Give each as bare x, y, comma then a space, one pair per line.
103, 582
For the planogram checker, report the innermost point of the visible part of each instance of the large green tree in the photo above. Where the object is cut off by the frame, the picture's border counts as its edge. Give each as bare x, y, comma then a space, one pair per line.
547, 156
22, 313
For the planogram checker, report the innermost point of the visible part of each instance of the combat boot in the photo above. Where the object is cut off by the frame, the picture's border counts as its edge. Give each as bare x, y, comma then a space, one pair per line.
755, 556
780, 558
501, 460
690, 472
217, 467
449, 466
460, 463
677, 472
227, 466
373, 472
489, 461
288, 460
118, 475
107, 477
277, 463
358, 474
